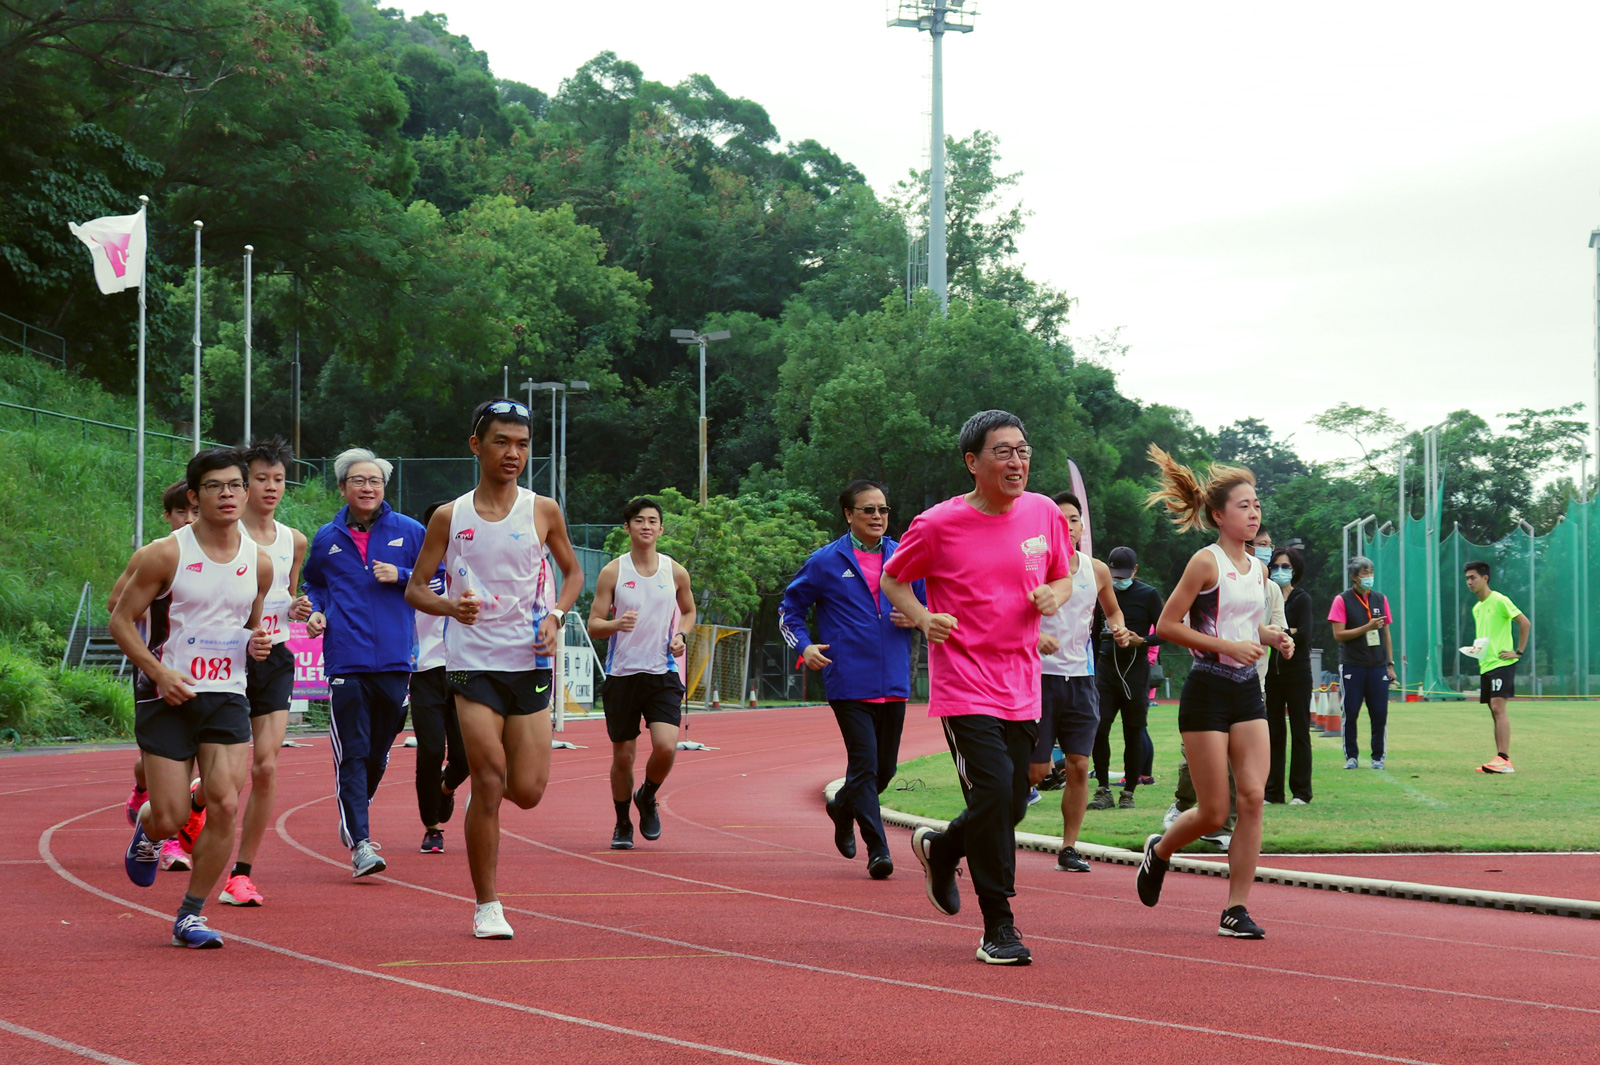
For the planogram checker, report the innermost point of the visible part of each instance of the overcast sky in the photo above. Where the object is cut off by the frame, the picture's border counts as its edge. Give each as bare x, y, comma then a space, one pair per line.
1281, 206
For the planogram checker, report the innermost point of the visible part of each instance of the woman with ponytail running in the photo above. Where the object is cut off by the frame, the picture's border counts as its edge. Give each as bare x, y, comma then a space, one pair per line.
1220, 714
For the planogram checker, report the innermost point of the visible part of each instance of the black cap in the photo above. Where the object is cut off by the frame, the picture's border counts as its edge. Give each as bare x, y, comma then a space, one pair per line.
1122, 560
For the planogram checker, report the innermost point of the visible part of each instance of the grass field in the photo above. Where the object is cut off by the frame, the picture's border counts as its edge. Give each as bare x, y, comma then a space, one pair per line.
1428, 799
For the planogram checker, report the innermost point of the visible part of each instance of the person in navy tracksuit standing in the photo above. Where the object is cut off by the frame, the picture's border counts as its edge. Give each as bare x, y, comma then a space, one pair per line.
864, 651
355, 576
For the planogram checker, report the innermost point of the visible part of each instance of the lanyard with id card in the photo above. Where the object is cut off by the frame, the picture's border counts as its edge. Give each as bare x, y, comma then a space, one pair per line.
1373, 637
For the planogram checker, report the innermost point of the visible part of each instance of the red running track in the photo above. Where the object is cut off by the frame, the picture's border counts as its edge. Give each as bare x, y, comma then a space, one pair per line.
740, 936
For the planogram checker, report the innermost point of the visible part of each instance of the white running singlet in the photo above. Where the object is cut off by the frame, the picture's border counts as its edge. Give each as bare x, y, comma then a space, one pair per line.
501, 562
207, 611
645, 649
1070, 626
275, 607
1232, 609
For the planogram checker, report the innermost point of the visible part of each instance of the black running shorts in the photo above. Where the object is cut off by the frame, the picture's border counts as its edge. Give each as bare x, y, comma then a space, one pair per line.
655, 697
1069, 714
509, 694
1210, 703
1498, 683
176, 732
269, 683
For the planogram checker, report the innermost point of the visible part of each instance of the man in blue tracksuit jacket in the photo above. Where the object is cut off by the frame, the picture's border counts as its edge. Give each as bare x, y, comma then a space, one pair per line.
864, 652
355, 576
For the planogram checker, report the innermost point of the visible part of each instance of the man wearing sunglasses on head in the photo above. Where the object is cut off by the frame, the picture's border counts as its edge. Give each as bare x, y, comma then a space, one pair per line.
355, 576
496, 543
863, 648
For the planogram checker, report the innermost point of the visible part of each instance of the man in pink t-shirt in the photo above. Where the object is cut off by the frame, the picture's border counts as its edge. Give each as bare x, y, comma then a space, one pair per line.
995, 560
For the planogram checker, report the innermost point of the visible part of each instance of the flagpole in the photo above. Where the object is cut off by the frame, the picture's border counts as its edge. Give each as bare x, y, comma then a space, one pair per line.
138, 477
198, 225
249, 250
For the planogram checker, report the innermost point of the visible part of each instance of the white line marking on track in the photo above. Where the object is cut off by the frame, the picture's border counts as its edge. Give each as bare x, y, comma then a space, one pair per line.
61, 871
825, 971
62, 1044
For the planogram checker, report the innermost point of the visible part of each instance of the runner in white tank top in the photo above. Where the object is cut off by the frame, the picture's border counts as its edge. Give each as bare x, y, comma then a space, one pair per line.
214, 578
502, 635
271, 682
643, 605
1069, 701
1217, 611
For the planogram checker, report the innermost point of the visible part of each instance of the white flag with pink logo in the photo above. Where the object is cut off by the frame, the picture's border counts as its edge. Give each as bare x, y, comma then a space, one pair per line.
116, 244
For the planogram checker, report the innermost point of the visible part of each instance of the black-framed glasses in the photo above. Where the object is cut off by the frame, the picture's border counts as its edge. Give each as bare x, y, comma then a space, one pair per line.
872, 511
217, 488
1003, 452
502, 406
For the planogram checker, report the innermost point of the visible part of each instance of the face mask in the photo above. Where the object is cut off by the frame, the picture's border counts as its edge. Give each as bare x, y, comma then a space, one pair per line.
1122, 584
1264, 554
1282, 577
1366, 584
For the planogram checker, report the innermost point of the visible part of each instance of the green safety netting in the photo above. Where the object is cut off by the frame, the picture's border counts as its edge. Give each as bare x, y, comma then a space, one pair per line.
1547, 577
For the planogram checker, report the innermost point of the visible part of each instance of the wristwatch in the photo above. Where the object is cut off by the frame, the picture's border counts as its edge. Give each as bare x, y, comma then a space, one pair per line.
557, 613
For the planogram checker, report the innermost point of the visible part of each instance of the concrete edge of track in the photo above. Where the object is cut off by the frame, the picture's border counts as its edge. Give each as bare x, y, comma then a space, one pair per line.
1357, 885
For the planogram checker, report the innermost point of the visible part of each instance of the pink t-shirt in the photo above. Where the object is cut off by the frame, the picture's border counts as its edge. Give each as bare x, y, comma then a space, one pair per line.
871, 566
982, 568
1337, 612
361, 539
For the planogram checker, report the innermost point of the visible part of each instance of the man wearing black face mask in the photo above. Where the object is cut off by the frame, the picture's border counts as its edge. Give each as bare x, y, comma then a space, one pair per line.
1123, 675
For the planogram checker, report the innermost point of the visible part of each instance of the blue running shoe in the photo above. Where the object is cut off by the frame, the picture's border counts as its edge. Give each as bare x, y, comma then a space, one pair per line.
143, 858
190, 931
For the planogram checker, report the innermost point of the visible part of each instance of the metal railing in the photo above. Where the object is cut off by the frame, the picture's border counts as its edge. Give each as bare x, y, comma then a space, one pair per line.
81, 614
10, 328
86, 424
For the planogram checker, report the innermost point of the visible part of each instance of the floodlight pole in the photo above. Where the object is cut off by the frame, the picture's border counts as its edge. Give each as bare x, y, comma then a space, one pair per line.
249, 254
935, 17
690, 336
1533, 644
1400, 523
198, 226
571, 386
552, 387
1594, 242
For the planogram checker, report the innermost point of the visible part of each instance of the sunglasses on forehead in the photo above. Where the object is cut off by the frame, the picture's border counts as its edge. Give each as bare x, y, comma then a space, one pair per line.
503, 406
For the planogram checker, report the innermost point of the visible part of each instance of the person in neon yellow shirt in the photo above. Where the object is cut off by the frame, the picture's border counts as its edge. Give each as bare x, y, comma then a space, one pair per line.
1497, 663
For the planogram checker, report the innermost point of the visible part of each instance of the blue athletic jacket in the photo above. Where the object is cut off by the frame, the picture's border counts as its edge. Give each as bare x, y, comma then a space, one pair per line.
871, 657
371, 629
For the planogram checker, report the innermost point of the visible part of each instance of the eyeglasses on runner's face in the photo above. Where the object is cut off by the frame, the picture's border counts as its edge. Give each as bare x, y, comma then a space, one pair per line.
1003, 452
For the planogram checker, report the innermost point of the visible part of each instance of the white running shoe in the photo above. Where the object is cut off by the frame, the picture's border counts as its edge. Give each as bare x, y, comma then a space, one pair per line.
489, 922
1172, 814
364, 860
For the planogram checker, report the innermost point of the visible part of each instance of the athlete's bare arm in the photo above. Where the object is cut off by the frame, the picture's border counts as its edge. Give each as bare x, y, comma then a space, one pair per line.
116, 589
686, 609
158, 564
551, 526
936, 627
260, 638
300, 609
463, 608
601, 623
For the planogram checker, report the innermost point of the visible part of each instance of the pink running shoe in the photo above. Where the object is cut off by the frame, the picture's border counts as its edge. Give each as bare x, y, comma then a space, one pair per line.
239, 891
136, 798
174, 857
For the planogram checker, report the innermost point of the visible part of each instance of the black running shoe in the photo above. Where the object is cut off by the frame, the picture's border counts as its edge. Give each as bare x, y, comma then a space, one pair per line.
1070, 861
649, 820
941, 878
447, 802
844, 829
1003, 947
622, 837
1152, 871
880, 867
432, 841
1236, 922
1056, 780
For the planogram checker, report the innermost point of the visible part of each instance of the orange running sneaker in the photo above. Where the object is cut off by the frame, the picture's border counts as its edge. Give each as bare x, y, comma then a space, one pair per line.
1497, 765
197, 821
239, 891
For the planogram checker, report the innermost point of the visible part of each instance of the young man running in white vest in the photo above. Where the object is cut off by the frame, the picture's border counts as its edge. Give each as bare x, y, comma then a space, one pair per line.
203, 588
642, 607
493, 542
269, 683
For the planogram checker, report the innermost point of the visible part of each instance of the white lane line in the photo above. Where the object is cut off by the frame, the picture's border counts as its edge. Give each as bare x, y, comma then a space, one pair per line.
825, 971
61, 1044
60, 870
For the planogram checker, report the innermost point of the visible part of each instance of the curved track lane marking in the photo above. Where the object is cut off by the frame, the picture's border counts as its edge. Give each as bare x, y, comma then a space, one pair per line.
654, 1037
61, 1044
868, 977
